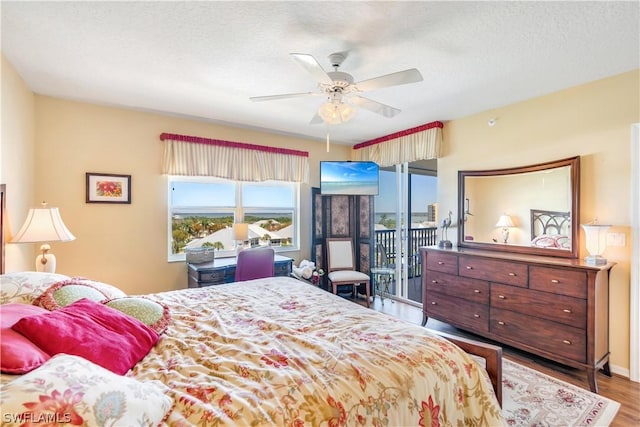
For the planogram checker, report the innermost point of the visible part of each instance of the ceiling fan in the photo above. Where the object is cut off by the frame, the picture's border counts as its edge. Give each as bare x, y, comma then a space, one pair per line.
341, 90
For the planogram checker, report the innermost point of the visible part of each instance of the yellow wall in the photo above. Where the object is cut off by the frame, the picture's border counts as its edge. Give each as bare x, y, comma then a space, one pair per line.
592, 121
17, 161
126, 244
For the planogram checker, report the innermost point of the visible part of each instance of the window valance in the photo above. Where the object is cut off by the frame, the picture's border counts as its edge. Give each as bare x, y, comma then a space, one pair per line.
418, 143
196, 156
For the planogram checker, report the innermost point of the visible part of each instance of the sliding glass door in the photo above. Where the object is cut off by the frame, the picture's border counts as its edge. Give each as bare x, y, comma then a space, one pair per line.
406, 220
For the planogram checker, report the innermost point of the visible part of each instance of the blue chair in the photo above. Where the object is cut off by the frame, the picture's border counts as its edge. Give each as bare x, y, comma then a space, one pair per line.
255, 263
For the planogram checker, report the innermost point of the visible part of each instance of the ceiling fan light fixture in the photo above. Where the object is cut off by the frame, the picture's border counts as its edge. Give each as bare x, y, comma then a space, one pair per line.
336, 113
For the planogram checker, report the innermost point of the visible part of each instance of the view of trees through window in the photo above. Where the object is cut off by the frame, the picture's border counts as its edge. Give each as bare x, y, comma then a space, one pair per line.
203, 211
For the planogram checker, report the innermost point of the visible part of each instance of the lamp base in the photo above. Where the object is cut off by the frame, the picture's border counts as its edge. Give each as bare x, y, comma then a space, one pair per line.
445, 244
46, 263
505, 235
595, 260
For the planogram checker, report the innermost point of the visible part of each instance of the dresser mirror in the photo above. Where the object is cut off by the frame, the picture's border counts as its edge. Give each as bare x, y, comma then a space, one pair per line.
529, 209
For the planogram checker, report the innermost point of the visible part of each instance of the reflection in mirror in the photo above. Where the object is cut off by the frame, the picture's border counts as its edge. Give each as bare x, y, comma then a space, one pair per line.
532, 209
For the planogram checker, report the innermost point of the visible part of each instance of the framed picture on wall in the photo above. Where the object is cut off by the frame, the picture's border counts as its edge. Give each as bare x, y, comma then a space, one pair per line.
108, 188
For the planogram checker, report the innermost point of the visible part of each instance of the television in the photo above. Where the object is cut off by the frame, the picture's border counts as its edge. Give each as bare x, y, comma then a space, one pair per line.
349, 178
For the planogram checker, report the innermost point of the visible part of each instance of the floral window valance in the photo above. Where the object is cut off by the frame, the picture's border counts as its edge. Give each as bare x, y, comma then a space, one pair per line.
419, 143
196, 156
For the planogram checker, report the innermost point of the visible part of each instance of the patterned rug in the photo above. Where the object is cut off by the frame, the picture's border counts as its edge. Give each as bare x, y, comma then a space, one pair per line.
531, 398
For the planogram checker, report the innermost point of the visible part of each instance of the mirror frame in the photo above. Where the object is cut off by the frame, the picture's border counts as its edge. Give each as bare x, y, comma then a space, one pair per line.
572, 162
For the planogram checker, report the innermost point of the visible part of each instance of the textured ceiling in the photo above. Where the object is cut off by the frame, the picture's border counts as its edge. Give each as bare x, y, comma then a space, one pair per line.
205, 59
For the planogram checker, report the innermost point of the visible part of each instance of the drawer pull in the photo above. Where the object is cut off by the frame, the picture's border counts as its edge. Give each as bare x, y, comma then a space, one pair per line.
477, 291
434, 281
566, 342
502, 297
469, 267
440, 262
500, 323
434, 303
512, 274
477, 316
566, 310
555, 281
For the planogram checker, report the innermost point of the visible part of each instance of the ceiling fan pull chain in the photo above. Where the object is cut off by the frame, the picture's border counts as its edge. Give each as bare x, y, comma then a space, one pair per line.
327, 138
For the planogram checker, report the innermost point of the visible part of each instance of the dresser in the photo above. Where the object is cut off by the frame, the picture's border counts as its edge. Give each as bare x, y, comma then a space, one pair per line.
223, 270
556, 308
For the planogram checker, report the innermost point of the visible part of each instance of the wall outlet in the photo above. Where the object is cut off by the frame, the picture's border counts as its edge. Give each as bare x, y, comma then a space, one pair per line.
616, 239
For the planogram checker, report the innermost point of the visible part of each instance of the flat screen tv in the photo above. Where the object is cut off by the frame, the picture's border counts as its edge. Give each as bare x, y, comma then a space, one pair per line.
349, 178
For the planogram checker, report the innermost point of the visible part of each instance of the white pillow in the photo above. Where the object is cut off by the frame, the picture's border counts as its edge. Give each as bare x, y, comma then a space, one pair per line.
26, 286
83, 394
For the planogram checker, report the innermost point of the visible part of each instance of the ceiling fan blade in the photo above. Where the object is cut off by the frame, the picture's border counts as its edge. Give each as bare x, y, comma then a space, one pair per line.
374, 106
394, 79
283, 96
309, 63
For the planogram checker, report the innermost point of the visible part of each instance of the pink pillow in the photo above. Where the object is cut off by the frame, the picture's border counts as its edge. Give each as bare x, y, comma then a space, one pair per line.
18, 355
91, 330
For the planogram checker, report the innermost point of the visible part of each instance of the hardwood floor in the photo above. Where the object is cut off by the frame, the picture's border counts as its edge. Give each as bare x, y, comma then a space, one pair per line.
618, 388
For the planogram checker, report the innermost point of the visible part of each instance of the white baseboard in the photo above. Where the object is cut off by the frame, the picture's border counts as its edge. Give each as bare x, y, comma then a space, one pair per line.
619, 370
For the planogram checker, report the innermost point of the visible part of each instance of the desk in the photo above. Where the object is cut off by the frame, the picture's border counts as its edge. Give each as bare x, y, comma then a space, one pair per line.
223, 270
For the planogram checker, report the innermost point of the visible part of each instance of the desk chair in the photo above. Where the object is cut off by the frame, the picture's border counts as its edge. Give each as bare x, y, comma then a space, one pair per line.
255, 263
341, 266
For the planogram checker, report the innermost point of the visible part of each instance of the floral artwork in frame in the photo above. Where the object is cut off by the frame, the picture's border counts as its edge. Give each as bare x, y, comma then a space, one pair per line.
108, 188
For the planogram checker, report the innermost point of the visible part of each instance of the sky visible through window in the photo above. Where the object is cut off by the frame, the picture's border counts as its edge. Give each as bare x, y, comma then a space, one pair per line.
423, 192
223, 194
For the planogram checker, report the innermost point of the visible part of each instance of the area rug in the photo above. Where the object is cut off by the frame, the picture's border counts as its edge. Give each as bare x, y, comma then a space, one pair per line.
531, 398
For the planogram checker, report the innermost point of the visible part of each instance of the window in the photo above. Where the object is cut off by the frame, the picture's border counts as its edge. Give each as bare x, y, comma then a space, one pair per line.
203, 210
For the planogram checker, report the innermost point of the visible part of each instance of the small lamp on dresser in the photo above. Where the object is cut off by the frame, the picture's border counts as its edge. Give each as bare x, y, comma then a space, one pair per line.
44, 225
505, 222
596, 241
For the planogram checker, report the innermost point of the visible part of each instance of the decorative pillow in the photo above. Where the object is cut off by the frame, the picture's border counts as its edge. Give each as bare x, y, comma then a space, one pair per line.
107, 289
152, 313
544, 241
563, 242
18, 355
67, 292
70, 389
26, 286
91, 330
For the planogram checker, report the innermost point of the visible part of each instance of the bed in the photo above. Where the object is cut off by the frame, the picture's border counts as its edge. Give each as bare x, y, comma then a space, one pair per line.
273, 351
550, 229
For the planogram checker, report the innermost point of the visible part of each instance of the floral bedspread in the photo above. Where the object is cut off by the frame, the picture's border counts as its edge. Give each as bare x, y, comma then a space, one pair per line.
281, 352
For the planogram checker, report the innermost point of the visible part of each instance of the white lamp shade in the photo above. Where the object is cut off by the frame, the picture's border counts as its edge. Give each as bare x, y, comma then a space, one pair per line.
43, 225
240, 231
596, 242
336, 113
504, 221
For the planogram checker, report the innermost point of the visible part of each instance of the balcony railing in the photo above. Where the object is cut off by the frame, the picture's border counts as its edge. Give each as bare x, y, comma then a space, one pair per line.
418, 237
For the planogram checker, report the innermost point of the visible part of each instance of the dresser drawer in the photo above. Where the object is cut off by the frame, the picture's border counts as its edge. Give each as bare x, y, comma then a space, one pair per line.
567, 310
457, 311
470, 289
508, 272
212, 276
282, 268
558, 281
552, 337
445, 263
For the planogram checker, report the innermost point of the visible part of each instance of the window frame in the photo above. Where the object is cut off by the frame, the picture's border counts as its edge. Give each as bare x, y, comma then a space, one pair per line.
238, 212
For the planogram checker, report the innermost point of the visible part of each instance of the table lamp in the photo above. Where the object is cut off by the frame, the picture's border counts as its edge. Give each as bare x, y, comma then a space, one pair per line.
505, 222
44, 225
596, 236
240, 234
